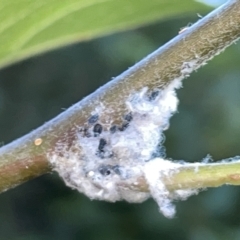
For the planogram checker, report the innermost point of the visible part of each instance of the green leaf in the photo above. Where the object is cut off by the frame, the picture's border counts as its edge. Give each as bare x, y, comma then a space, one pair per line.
29, 27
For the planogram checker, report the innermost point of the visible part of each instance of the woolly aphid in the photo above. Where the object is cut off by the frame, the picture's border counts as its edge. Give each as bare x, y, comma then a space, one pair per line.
105, 162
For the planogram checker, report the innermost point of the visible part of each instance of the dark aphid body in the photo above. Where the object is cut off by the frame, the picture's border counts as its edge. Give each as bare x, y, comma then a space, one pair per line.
97, 129
113, 129
93, 119
102, 144
153, 95
105, 170
128, 117
123, 127
101, 151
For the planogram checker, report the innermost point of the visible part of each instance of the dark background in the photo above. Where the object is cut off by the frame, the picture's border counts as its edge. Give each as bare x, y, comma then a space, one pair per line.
34, 91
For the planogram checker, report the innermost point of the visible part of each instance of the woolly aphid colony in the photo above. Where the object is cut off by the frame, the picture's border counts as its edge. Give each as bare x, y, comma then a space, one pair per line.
106, 163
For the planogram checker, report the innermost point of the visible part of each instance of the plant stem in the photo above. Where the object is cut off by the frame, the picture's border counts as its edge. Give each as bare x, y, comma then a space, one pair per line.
205, 175
23, 159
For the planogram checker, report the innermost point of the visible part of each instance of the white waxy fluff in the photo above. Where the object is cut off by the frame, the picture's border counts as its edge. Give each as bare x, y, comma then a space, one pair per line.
108, 164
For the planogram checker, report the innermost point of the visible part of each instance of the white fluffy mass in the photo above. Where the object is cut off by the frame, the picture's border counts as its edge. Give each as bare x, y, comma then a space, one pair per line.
107, 161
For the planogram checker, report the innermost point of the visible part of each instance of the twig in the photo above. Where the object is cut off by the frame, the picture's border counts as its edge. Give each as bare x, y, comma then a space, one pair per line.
26, 158
201, 175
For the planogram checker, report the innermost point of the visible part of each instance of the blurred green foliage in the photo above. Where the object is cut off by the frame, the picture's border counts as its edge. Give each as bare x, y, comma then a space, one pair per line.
36, 90
30, 27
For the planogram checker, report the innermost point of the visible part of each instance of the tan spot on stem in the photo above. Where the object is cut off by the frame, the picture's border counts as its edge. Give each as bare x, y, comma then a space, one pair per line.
38, 141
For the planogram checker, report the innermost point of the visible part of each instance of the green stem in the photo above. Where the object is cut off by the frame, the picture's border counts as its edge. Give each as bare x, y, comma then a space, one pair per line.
205, 175
199, 175
23, 159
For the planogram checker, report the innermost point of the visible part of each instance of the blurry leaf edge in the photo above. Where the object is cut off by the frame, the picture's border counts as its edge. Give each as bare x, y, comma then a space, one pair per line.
67, 39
